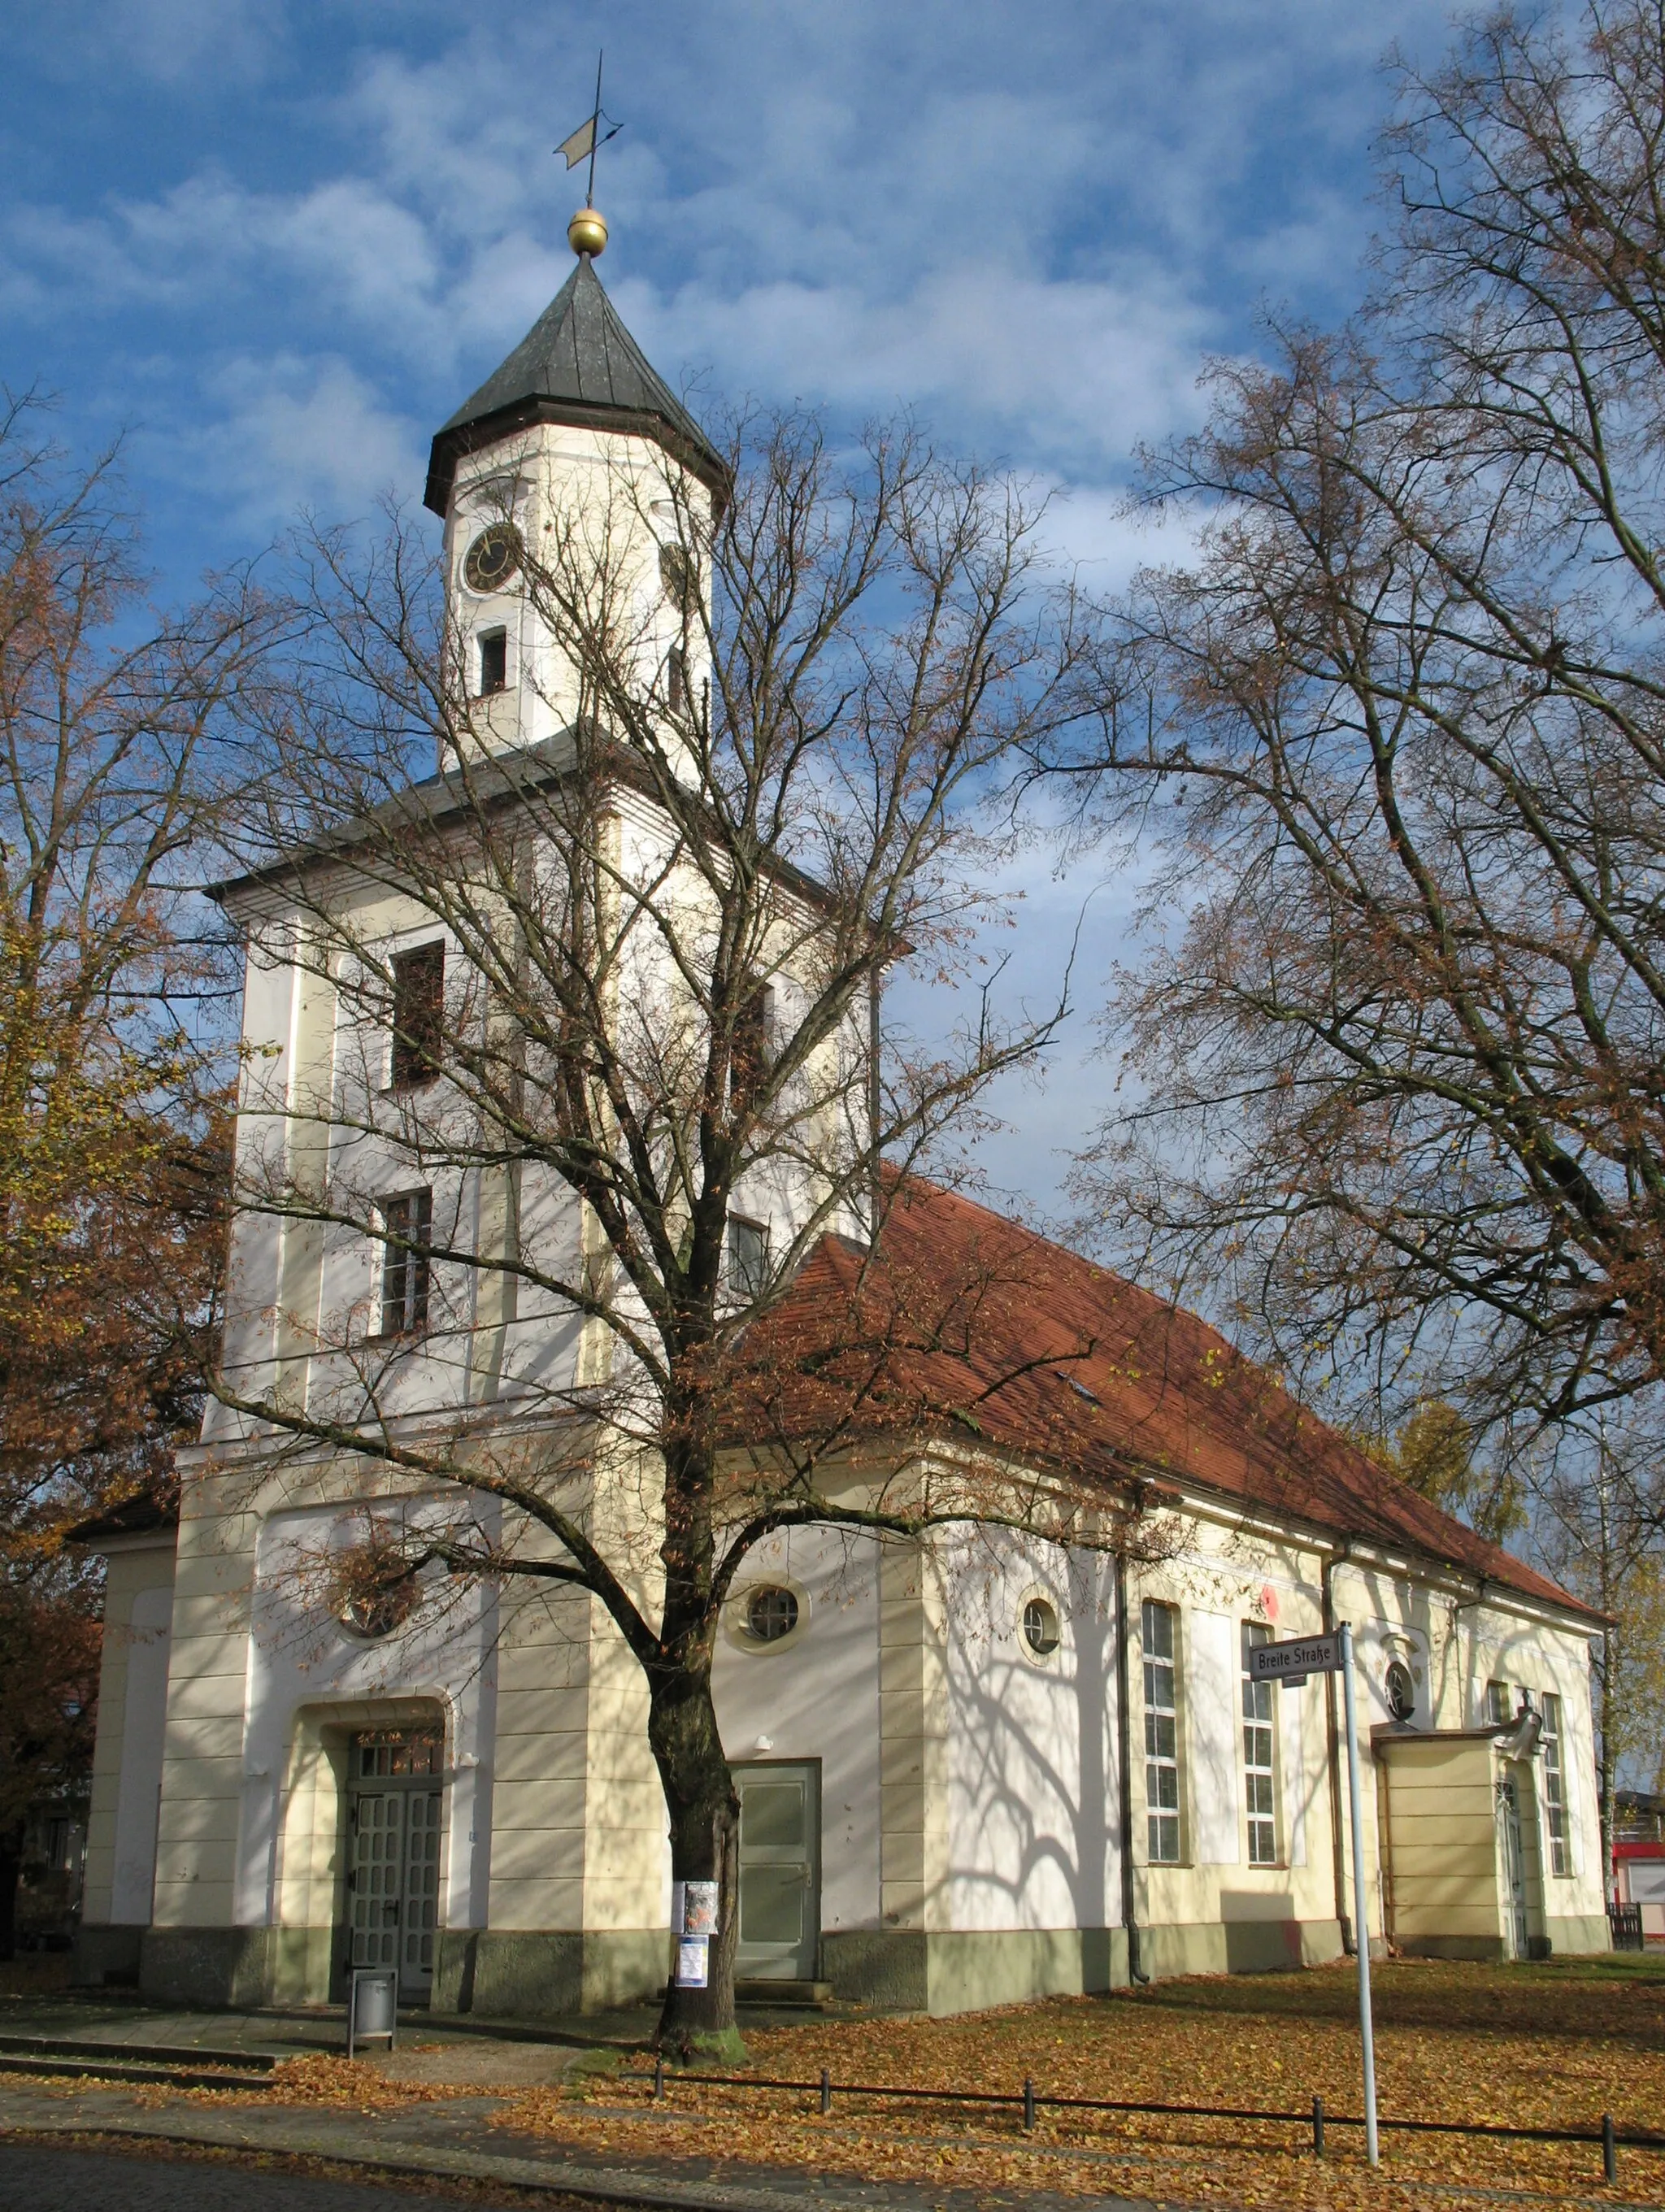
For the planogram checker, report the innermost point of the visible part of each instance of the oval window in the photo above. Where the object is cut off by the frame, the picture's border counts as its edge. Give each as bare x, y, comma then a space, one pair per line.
771, 1614
1040, 1627
1402, 1689
493, 557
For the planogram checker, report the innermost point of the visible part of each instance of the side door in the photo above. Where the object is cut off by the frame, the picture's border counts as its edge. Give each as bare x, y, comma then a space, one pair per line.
780, 1869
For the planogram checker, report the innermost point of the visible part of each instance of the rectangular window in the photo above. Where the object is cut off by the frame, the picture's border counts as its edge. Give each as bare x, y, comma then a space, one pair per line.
1555, 1802
748, 1259
1499, 1713
407, 1222
418, 1014
749, 1053
1259, 1775
494, 662
1156, 1624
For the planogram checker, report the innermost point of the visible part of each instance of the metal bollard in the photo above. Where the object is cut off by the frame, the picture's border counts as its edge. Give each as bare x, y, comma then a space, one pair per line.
1029, 2105
659, 2077
1318, 2127
826, 2091
1609, 2149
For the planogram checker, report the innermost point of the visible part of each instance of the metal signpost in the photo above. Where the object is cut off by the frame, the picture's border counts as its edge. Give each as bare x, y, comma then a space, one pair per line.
1293, 1662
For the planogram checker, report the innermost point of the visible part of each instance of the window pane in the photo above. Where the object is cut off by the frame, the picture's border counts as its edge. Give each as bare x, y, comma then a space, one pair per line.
772, 1905
1260, 1809
418, 1014
407, 1220
748, 1259
1554, 1790
772, 1816
1161, 1732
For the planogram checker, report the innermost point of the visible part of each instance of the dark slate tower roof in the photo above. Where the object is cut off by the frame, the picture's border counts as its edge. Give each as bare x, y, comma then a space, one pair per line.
577, 364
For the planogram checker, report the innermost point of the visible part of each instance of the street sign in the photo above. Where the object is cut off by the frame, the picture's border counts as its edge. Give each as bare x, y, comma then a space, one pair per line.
1293, 1661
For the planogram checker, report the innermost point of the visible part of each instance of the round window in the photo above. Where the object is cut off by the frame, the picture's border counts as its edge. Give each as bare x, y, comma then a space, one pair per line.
1402, 1689
1040, 1627
374, 1612
771, 1614
493, 557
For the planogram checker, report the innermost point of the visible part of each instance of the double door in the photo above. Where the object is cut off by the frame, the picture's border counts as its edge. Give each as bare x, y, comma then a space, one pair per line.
393, 1882
780, 1869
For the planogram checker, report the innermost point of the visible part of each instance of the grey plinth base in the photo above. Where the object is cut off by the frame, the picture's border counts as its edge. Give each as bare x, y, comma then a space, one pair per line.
544, 1973
106, 1955
1237, 1946
209, 1967
943, 1971
507, 1973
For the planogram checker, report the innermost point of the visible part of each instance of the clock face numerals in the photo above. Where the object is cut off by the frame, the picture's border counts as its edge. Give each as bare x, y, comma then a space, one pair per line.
493, 557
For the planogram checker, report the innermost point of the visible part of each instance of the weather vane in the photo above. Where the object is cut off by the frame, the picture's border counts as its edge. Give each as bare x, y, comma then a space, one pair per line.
589, 136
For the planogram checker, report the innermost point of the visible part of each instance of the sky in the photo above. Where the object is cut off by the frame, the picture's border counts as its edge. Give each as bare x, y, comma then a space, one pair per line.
273, 243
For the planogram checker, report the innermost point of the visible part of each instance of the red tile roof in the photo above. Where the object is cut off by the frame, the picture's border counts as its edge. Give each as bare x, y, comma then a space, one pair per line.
966, 1324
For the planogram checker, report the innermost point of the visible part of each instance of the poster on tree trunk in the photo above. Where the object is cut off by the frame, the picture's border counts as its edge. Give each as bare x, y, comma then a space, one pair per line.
693, 1962
699, 1914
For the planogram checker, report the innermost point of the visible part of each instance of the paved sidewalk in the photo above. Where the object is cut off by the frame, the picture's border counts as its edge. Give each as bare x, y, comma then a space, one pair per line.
286, 2032
453, 2139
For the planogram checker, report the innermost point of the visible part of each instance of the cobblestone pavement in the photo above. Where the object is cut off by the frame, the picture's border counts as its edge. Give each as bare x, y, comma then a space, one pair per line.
34, 2180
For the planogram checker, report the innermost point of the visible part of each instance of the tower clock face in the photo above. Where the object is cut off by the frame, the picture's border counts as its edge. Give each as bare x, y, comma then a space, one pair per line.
493, 557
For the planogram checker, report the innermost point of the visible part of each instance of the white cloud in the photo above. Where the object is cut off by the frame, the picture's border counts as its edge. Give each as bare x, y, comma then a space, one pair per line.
190, 43
295, 433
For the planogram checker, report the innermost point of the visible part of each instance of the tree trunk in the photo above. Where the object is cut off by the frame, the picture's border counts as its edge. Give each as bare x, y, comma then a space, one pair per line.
1605, 1766
704, 1813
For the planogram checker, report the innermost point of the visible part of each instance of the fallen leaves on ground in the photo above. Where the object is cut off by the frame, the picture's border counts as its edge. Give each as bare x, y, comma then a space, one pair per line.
325, 2077
1508, 2046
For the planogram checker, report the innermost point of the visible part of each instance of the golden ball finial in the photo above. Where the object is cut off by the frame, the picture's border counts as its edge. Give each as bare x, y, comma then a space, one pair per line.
588, 232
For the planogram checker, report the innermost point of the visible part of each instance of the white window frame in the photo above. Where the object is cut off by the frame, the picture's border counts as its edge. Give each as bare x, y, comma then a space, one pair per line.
1259, 1755
1163, 1822
1557, 1811
742, 1286
414, 1270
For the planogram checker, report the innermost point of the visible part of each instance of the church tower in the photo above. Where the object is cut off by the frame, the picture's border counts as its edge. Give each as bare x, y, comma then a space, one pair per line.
573, 456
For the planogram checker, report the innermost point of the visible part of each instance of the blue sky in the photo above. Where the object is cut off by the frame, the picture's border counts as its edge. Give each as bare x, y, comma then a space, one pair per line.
276, 242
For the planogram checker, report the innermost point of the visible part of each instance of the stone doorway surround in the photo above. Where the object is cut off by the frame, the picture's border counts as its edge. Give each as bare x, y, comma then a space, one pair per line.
311, 1939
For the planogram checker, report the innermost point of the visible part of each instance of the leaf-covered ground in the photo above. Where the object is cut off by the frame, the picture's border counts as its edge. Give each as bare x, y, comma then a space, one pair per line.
1556, 2045
1551, 2045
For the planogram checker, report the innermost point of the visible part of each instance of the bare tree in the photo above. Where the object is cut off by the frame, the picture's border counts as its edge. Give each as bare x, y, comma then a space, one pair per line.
118, 754
1399, 730
1597, 1492
643, 1080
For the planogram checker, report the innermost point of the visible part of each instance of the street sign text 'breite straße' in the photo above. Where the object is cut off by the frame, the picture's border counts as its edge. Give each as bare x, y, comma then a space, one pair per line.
1294, 1661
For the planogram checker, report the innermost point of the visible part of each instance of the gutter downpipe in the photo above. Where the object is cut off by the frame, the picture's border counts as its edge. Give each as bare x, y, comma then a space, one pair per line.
1338, 1847
1124, 1755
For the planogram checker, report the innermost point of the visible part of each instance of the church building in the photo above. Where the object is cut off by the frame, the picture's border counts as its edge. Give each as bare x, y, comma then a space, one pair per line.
974, 1768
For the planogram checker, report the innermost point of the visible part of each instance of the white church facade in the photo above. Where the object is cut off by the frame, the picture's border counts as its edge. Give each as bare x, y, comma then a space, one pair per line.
972, 1770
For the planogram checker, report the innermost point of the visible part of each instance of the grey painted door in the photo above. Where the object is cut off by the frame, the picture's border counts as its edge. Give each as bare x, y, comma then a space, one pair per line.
396, 1883
1514, 1857
780, 1869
